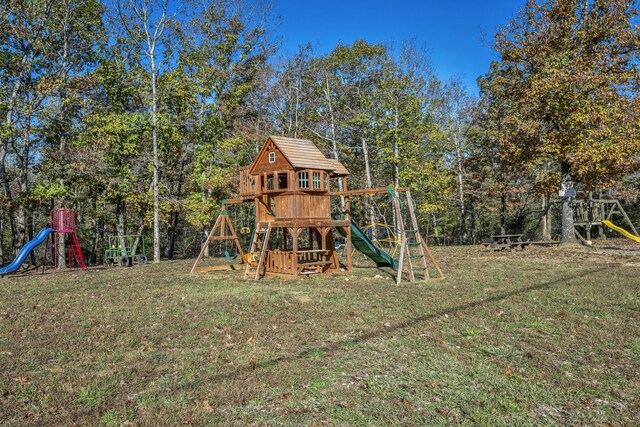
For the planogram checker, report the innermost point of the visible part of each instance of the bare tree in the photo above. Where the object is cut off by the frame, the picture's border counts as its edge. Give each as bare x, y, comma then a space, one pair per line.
145, 23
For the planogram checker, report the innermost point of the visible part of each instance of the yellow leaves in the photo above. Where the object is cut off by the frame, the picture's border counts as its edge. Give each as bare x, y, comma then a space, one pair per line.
554, 93
206, 407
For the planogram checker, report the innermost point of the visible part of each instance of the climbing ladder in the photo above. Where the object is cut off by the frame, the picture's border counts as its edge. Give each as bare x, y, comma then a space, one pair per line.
75, 252
63, 221
258, 246
412, 246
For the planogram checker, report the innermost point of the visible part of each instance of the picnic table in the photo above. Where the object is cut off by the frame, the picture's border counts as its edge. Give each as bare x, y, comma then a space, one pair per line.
500, 242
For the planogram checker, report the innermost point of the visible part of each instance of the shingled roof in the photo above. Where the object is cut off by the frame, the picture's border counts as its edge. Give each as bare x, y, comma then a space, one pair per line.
303, 154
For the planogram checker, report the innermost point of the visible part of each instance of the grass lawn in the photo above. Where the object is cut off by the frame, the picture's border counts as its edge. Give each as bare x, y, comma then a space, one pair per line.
547, 336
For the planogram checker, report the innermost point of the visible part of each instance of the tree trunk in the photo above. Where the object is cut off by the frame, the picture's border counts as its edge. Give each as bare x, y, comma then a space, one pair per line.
503, 213
568, 229
461, 199
11, 213
546, 218
206, 242
175, 215
396, 151
136, 243
93, 259
1, 241
121, 226
334, 142
369, 182
32, 255
435, 227
173, 228
474, 223
25, 69
156, 190
61, 248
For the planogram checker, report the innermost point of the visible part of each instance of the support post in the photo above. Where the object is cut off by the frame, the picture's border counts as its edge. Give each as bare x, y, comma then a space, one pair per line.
347, 217
206, 244
295, 235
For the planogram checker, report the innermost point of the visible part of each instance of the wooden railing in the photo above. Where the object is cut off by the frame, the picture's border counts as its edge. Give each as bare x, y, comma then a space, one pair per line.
278, 261
247, 182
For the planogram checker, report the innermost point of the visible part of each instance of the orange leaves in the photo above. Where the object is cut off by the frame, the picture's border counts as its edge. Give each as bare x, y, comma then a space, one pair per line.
561, 91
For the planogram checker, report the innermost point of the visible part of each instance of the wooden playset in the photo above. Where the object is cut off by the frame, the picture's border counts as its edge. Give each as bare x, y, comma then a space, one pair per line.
592, 215
290, 184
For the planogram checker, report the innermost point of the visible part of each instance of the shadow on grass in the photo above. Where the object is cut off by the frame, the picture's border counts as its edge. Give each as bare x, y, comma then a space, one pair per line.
564, 280
49, 271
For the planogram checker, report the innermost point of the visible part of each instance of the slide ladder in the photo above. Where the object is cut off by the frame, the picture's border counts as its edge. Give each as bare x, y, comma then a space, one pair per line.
259, 246
75, 250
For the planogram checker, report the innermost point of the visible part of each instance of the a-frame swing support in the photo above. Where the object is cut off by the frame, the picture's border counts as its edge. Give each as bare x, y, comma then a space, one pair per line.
411, 238
219, 233
408, 237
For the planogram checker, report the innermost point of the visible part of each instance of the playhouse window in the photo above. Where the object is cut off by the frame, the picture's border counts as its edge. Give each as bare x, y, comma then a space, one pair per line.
270, 183
303, 179
272, 157
282, 181
316, 181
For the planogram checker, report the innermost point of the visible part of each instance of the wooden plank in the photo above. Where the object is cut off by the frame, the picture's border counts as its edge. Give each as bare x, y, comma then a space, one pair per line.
626, 218
433, 260
317, 223
206, 244
239, 200
404, 248
210, 268
417, 236
295, 233
252, 250
348, 238
381, 190
263, 251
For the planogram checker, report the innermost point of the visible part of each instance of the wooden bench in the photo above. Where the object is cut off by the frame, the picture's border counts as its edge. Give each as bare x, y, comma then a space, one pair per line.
500, 242
311, 267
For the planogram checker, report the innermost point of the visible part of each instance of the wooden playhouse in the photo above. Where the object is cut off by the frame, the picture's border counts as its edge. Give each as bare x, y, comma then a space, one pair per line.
290, 184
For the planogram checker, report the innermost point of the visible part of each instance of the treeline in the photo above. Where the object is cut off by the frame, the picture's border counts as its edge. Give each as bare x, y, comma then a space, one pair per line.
137, 114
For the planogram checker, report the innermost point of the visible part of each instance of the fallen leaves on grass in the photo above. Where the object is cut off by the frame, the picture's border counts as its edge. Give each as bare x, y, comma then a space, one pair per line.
285, 395
206, 407
587, 403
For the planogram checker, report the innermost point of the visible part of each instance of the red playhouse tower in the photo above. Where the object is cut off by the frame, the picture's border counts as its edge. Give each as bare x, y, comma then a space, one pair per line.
63, 221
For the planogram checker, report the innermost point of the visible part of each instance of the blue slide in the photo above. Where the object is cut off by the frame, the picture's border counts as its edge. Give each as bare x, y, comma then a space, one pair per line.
26, 250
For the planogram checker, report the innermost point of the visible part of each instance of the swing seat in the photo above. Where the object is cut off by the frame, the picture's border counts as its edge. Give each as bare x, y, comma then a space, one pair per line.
248, 260
229, 257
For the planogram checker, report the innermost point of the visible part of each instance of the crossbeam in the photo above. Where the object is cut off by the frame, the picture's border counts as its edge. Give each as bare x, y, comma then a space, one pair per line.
366, 191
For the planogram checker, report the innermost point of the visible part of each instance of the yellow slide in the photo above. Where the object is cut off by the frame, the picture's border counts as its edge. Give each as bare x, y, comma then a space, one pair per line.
622, 231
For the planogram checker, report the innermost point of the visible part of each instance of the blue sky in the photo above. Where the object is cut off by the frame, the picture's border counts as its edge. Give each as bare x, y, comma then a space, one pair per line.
457, 33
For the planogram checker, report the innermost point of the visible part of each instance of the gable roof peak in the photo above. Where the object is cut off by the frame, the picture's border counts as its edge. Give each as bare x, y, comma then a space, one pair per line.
303, 154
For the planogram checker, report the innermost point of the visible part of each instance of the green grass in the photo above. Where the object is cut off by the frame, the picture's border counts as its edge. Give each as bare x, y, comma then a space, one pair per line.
543, 337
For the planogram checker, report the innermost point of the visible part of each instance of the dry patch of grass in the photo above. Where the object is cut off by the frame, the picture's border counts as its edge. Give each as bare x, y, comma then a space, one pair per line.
545, 336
